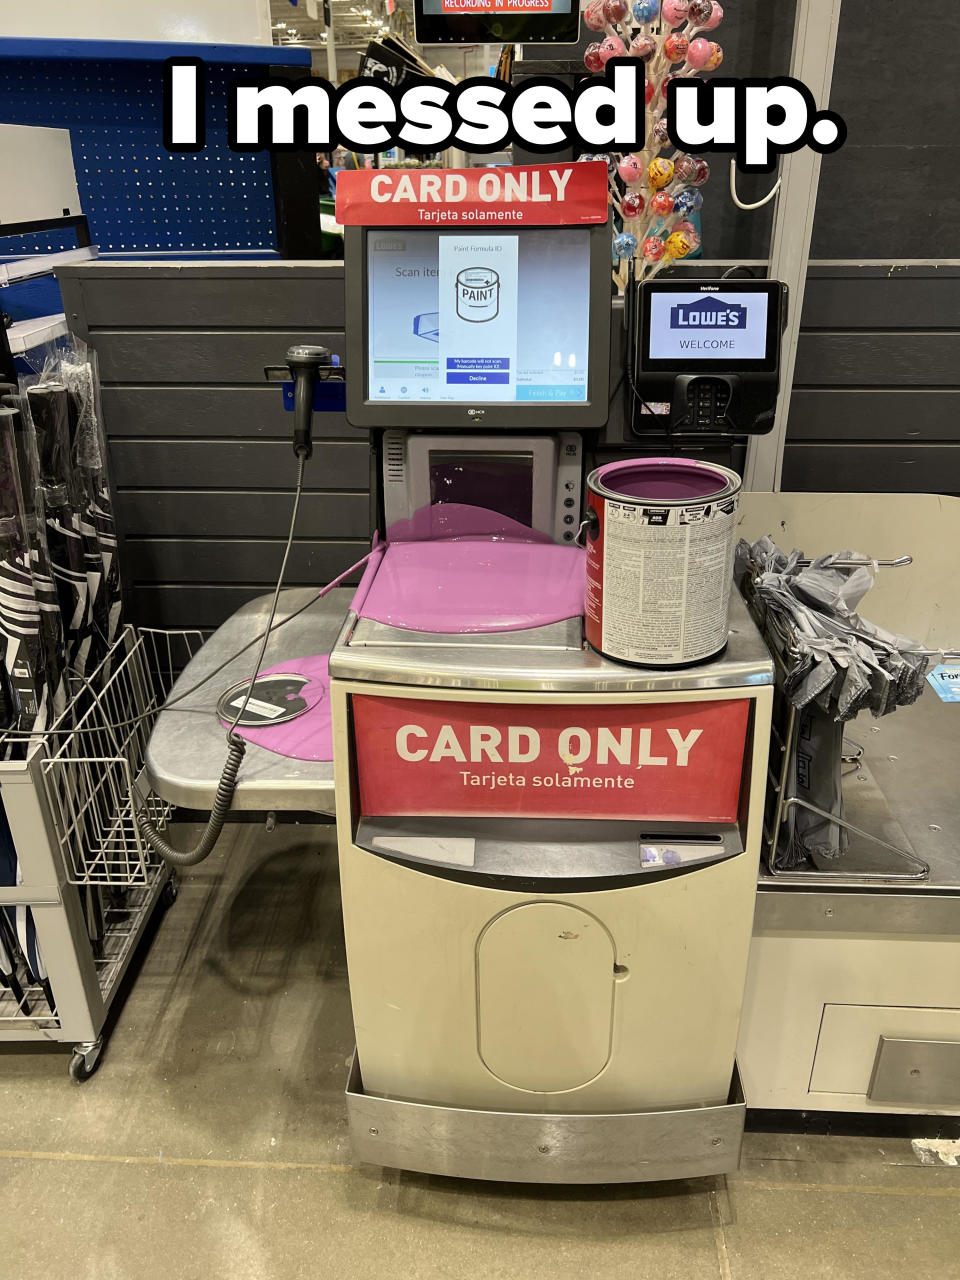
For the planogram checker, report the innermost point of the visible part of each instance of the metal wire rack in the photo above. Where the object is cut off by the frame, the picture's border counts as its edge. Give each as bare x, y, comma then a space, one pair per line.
95, 778
785, 727
86, 883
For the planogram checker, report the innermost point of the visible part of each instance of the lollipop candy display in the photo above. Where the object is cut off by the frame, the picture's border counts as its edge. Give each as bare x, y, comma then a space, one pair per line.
699, 52
660, 173
716, 57
630, 169
593, 16
631, 205
612, 47
692, 170
679, 244
699, 12
654, 189
674, 12
615, 10
645, 47
689, 200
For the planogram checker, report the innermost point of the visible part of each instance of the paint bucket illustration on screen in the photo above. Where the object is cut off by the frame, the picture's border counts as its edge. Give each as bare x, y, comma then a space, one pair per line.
478, 294
660, 541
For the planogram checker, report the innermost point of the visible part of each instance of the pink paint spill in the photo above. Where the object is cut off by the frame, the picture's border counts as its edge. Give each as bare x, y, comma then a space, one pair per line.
462, 587
310, 736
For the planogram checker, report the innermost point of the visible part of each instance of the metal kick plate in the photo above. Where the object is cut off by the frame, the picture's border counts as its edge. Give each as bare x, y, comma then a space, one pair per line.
499, 1146
923, 1073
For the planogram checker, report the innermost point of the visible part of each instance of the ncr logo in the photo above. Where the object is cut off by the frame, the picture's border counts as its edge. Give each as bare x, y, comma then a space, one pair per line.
710, 313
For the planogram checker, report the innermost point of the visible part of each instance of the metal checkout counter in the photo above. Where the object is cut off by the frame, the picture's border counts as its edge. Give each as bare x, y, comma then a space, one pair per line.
549, 879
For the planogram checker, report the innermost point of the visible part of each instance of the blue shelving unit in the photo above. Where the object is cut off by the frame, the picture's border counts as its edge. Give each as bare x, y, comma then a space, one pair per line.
138, 197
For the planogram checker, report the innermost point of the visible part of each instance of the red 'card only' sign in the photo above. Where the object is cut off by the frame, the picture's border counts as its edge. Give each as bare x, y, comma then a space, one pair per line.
532, 194
678, 761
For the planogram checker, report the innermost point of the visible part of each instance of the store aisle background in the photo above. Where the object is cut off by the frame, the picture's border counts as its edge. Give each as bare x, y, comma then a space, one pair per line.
213, 1141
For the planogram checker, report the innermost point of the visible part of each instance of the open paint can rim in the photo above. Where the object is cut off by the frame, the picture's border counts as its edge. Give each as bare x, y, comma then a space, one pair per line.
693, 481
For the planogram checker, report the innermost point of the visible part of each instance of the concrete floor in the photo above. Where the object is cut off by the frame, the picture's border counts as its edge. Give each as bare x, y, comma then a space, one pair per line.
213, 1140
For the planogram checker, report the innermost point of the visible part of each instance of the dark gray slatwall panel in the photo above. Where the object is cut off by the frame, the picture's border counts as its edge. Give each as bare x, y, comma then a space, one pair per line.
201, 457
234, 560
871, 468
199, 355
224, 410
854, 413
876, 399
205, 464
243, 513
184, 606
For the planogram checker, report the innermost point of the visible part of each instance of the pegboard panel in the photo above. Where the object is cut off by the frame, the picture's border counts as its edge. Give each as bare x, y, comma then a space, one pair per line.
136, 195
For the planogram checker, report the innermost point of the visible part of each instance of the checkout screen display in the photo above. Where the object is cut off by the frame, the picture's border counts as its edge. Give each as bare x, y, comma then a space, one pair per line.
706, 326
471, 317
501, 482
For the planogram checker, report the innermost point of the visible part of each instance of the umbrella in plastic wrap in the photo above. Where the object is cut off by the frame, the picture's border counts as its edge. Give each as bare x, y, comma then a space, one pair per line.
45, 588
88, 451
18, 930
48, 411
837, 664
25, 670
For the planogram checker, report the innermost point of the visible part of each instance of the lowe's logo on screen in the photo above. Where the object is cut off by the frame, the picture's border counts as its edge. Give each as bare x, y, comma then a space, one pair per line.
710, 313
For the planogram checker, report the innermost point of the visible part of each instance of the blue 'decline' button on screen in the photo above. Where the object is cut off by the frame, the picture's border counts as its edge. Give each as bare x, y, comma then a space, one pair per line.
479, 378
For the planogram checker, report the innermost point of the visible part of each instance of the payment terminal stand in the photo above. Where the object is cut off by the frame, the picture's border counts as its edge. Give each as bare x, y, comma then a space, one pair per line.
710, 350
547, 901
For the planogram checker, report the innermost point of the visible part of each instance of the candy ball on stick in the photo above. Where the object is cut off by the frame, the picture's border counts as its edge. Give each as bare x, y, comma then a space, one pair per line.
675, 47
645, 11
716, 17
674, 75
716, 57
591, 57
625, 245
692, 170
679, 245
659, 132
674, 12
661, 204
631, 205
630, 169
690, 231
608, 161
647, 92
689, 200
653, 249
644, 47
615, 10
593, 16
699, 52
586, 157
660, 173
612, 47
699, 12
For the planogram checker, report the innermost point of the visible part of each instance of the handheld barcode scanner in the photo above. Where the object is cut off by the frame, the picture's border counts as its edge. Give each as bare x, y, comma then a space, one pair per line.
711, 350
308, 364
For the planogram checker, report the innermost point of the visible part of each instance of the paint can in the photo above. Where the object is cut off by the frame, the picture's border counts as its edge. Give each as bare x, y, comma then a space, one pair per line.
660, 535
478, 294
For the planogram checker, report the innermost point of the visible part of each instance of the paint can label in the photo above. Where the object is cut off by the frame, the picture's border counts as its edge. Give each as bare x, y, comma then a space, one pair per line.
658, 582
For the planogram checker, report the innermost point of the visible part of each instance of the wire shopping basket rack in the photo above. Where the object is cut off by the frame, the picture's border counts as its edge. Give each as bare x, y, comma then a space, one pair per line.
86, 884
895, 863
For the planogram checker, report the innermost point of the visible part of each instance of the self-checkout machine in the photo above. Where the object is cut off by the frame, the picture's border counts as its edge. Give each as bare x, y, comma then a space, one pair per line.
548, 857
